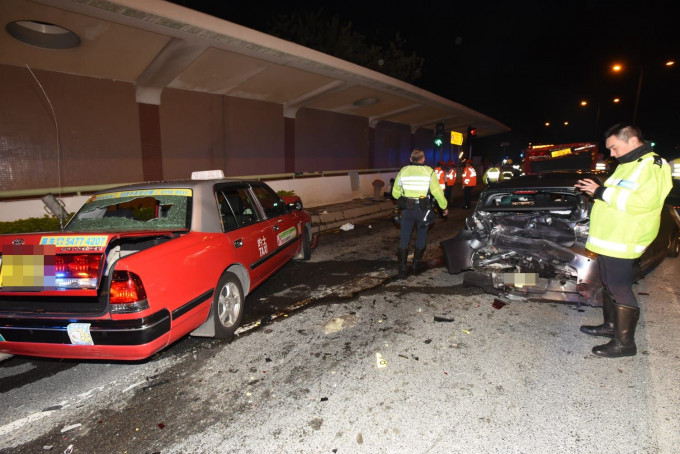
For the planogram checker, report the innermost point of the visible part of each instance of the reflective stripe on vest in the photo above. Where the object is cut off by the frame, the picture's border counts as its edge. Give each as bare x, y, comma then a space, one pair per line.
613, 246
493, 174
415, 183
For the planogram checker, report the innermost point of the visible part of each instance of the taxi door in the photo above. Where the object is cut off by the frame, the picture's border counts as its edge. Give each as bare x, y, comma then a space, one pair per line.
284, 225
249, 233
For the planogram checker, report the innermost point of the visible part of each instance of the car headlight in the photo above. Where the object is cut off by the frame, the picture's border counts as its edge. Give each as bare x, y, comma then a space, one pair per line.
581, 232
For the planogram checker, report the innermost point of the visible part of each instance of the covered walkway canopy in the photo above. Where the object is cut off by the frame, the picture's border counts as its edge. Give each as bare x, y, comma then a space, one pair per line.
176, 47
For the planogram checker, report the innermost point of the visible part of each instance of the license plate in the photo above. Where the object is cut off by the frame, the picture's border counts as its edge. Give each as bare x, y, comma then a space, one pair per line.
79, 333
562, 152
520, 279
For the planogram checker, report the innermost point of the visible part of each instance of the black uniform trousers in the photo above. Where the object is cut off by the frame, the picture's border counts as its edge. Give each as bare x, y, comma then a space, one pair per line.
617, 277
409, 218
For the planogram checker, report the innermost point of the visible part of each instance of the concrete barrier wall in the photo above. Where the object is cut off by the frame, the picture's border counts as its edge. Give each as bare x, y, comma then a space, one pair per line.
314, 191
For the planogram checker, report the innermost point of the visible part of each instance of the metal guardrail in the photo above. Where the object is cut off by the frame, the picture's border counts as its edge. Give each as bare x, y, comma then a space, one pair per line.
88, 189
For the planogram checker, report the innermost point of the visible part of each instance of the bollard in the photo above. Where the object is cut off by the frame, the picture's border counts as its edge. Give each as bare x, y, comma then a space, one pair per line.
377, 190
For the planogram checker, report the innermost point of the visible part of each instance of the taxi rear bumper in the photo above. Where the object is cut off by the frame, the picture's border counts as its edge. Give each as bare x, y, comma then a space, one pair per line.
137, 331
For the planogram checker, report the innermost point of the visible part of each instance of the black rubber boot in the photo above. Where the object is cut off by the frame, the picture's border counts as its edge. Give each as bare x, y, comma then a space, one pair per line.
417, 257
623, 343
607, 328
402, 256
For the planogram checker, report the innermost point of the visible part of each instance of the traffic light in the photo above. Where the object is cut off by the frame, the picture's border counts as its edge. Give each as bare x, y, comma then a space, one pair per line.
472, 131
439, 134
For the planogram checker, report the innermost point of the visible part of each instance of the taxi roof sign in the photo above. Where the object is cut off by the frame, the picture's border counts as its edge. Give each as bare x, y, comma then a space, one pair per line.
207, 174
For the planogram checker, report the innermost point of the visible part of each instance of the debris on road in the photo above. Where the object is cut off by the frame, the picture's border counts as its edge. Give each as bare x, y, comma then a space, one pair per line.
71, 427
380, 361
338, 323
442, 319
347, 226
497, 304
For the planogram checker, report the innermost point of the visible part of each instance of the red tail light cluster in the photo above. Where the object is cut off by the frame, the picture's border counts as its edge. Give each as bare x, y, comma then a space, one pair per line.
77, 270
127, 293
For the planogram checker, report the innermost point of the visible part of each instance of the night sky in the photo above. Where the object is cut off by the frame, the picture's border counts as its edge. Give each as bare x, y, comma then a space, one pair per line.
524, 62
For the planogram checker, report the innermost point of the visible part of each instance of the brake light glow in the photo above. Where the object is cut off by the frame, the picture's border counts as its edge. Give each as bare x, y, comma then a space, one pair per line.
524, 192
77, 270
127, 293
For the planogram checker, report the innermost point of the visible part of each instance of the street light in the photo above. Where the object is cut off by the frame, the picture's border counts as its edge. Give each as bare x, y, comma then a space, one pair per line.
619, 68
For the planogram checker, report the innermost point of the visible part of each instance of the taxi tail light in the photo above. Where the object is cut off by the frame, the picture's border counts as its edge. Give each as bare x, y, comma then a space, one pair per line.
127, 293
77, 270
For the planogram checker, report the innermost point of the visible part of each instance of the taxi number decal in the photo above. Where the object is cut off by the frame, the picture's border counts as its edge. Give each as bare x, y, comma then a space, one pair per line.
262, 246
286, 236
98, 241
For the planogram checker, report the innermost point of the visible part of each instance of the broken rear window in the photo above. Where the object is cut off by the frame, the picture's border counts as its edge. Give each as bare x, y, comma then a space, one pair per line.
148, 209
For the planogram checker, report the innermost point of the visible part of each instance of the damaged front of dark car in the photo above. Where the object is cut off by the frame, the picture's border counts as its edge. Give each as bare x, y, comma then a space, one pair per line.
527, 236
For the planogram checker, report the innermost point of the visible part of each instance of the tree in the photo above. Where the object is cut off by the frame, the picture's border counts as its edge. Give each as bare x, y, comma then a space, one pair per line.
334, 37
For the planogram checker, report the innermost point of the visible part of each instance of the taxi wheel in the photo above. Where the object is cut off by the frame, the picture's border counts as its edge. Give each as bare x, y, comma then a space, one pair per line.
306, 250
227, 306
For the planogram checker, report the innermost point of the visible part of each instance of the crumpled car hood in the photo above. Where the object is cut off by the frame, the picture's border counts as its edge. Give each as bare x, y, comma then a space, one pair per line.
535, 254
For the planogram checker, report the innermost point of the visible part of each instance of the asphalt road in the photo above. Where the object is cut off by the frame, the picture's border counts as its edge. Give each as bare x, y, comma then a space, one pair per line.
369, 364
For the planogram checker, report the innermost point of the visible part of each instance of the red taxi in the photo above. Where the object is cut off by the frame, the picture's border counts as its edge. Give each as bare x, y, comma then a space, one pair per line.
140, 266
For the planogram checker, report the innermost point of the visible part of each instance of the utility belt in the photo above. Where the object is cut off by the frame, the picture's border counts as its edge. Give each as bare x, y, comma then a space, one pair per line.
409, 203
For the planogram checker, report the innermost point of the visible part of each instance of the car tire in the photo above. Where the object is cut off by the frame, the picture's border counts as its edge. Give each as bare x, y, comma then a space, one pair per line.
307, 244
673, 245
227, 305
306, 250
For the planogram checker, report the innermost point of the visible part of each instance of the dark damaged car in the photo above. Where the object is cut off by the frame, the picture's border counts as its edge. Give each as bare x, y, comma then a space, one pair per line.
527, 236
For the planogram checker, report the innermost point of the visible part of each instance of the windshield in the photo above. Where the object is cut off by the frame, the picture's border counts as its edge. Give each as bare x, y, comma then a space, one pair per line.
142, 210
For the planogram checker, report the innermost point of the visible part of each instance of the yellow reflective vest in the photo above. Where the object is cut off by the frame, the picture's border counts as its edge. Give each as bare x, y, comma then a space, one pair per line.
413, 181
492, 175
627, 218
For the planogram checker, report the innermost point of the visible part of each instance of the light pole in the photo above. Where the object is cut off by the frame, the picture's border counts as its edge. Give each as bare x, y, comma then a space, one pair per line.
637, 95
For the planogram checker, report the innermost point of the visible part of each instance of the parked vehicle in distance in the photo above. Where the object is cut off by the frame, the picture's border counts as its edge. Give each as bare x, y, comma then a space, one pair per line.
140, 266
526, 238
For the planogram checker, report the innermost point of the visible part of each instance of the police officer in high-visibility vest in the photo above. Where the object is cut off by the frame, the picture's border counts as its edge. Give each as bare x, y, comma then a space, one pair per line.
508, 171
624, 220
412, 186
469, 179
492, 175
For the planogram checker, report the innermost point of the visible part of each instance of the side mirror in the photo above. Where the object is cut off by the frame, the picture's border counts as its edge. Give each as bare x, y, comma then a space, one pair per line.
293, 202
